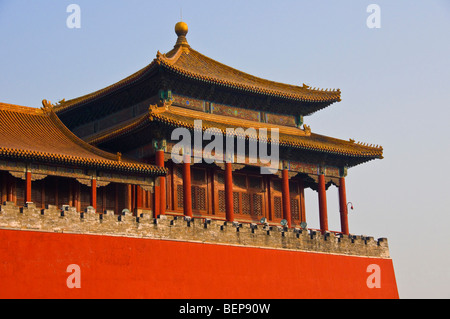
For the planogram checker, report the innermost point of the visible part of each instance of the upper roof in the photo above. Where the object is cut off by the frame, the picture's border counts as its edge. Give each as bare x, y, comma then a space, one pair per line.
37, 134
187, 62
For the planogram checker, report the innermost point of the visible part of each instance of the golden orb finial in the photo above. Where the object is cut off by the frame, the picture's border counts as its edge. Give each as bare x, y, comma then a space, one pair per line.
181, 28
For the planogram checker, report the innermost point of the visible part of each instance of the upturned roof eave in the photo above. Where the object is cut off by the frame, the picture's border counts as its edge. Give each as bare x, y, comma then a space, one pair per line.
162, 115
168, 61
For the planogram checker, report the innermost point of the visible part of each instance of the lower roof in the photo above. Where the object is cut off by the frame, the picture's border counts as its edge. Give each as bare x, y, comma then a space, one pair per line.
34, 134
290, 137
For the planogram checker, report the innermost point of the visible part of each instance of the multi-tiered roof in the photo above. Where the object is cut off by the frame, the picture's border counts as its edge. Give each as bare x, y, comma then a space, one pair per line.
187, 72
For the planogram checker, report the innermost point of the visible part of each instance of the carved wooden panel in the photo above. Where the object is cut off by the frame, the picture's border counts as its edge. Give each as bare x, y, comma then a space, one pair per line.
295, 194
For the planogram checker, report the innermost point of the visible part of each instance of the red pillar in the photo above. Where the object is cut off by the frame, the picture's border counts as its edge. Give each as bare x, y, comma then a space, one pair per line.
187, 195
162, 182
129, 196
94, 193
229, 209
28, 187
302, 201
77, 199
286, 197
343, 206
139, 197
322, 204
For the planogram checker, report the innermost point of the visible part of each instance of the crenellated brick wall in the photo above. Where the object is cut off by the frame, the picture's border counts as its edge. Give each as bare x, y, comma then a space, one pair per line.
179, 228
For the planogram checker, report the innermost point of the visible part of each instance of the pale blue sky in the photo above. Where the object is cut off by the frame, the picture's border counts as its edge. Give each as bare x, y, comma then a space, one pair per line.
394, 82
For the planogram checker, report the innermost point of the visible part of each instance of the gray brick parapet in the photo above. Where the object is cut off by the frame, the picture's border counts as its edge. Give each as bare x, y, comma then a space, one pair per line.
165, 227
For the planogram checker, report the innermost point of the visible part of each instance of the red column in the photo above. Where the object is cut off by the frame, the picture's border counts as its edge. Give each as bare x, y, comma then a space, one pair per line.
94, 193
343, 206
286, 197
4, 182
77, 201
139, 197
322, 204
71, 197
187, 195
162, 182
129, 198
229, 209
28, 187
302, 201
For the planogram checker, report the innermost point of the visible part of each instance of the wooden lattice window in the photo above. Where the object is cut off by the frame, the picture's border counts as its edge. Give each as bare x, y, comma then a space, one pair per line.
236, 203
295, 209
246, 206
257, 204
199, 190
294, 200
180, 197
221, 196
277, 209
198, 198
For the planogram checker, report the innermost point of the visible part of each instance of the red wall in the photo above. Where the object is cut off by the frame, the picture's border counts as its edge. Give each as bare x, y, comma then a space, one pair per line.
34, 265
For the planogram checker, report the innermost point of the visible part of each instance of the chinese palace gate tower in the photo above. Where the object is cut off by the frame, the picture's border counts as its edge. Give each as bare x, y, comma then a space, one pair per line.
103, 164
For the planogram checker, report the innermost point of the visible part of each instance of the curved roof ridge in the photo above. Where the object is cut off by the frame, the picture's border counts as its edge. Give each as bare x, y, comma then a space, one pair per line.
192, 63
57, 122
186, 61
109, 89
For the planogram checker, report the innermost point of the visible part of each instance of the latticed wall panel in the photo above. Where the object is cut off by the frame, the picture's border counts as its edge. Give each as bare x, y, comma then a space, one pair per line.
199, 190
277, 208
221, 200
295, 209
295, 194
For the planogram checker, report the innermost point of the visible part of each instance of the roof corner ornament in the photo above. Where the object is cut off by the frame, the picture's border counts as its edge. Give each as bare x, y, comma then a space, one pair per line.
351, 140
47, 106
306, 86
160, 55
119, 156
307, 129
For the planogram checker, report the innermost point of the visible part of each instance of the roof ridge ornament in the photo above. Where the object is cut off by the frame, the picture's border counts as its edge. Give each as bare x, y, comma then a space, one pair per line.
181, 29
307, 129
47, 106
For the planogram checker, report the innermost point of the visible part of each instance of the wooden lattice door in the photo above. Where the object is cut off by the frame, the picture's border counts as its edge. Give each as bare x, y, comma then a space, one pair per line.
248, 197
295, 194
199, 190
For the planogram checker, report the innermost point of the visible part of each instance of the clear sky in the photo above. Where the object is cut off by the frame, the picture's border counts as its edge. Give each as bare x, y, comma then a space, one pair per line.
394, 81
